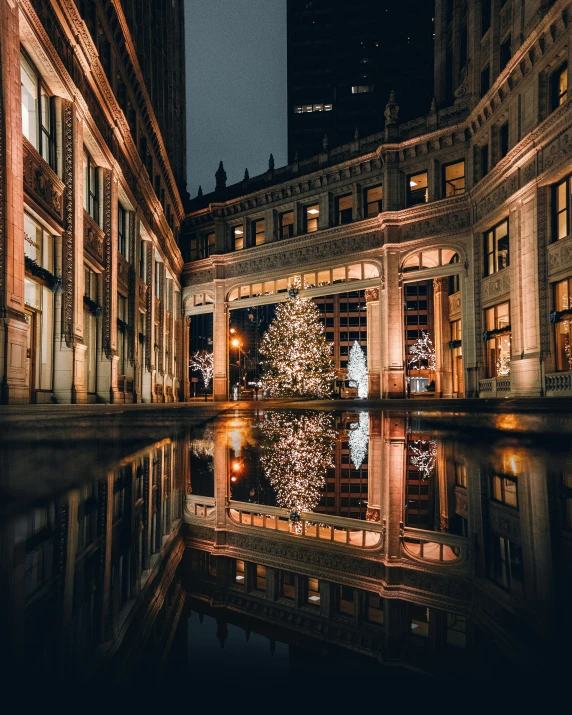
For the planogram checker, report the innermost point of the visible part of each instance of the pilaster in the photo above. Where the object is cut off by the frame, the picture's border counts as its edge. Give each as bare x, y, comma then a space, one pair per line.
392, 356
13, 325
443, 373
373, 342
220, 344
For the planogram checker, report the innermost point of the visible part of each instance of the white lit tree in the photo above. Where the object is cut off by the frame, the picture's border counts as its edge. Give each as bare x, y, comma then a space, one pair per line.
357, 369
422, 349
298, 359
358, 439
424, 456
297, 452
202, 361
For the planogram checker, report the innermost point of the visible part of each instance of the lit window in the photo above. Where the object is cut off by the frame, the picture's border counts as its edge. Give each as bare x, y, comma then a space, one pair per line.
260, 578
313, 592
287, 585
258, 234
373, 201
238, 236
362, 88
239, 572
497, 321
287, 224
560, 86
497, 248
454, 179
417, 189
562, 209
312, 214
562, 324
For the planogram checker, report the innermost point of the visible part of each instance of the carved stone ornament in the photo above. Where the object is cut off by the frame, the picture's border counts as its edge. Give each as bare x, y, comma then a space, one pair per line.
41, 183
371, 295
435, 225
93, 237
391, 112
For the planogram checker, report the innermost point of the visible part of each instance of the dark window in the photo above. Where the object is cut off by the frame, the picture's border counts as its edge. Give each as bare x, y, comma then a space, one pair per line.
507, 567
563, 324
505, 53
503, 140
485, 80
344, 209
497, 248
484, 160
37, 112
485, 16
287, 224
91, 187
142, 259
504, 490
258, 232
122, 230
417, 189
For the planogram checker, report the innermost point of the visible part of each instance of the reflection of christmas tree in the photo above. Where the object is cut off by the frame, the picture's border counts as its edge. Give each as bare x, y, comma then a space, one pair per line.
358, 439
298, 359
424, 456
203, 448
422, 349
296, 456
357, 369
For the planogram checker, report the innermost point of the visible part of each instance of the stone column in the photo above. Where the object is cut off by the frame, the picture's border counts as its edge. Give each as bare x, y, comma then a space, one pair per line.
375, 475
220, 344
13, 325
525, 375
221, 473
442, 332
373, 342
185, 357
148, 360
441, 476
393, 430
393, 382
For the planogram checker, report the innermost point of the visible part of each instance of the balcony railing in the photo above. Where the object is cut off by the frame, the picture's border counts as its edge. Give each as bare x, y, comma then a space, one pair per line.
321, 527
494, 387
435, 547
558, 384
200, 507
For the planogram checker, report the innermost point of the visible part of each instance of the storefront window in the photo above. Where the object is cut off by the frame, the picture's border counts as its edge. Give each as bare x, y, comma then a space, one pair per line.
562, 317
497, 321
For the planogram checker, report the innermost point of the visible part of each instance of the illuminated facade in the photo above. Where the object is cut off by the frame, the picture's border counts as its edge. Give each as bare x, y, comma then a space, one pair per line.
471, 201
89, 267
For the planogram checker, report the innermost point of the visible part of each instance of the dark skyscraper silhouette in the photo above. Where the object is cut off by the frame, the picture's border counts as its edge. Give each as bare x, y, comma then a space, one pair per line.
343, 61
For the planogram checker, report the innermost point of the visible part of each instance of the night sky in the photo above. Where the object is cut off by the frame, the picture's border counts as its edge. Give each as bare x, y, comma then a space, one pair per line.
236, 88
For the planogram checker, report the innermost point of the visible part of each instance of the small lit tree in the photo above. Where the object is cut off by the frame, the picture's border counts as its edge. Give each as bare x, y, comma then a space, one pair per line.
357, 369
202, 361
422, 349
297, 357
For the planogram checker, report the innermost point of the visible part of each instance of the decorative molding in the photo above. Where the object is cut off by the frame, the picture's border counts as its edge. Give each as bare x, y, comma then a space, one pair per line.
496, 197
122, 271
93, 237
441, 224
42, 183
560, 257
108, 287
68, 238
542, 241
496, 286
160, 307
371, 295
455, 305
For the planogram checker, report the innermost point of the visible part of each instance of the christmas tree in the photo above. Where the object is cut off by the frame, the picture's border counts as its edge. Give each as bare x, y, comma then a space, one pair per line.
357, 369
422, 349
298, 358
203, 362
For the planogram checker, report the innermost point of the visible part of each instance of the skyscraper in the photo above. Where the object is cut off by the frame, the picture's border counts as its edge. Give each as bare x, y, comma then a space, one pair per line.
343, 61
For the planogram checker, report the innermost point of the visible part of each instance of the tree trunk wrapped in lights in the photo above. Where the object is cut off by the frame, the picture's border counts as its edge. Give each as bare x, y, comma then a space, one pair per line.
297, 453
357, 369
298, 359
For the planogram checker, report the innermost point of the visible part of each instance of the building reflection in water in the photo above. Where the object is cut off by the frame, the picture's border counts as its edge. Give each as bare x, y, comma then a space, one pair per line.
385, 534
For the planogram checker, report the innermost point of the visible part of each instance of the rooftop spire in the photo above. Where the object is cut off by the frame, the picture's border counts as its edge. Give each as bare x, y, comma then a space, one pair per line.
220, 177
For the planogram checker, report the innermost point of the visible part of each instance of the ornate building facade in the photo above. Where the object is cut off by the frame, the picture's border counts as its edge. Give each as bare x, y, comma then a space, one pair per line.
460, 218
89, 265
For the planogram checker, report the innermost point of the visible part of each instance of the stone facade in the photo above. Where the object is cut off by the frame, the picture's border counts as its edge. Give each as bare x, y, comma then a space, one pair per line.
89, 265
503, 119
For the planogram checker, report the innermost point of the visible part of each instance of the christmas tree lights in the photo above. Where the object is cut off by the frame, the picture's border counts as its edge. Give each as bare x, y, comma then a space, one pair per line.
424, 456
297, 357
357, 369
358, 440
202, 361
422, 349
296, 454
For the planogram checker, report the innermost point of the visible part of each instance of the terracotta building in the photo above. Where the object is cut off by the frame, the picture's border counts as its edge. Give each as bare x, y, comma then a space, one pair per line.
89, 282
458, 221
